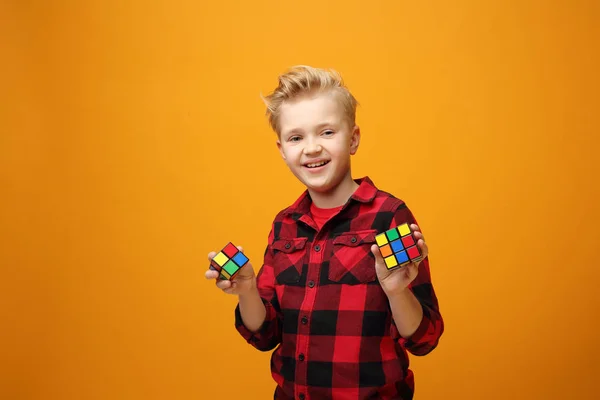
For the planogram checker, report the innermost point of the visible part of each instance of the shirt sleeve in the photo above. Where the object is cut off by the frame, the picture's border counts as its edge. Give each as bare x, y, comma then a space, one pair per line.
426, 337
268, 336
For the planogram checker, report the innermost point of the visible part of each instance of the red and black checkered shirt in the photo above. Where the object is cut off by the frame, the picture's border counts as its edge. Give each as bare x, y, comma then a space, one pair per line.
328, 319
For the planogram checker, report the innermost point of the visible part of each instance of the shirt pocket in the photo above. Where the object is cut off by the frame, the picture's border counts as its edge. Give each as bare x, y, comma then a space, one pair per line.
288, 259
352, 261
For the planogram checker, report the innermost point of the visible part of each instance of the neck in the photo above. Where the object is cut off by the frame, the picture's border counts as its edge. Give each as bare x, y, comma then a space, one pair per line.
338, 196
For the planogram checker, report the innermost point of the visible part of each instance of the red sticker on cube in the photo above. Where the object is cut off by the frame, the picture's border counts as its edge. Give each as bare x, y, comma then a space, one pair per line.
408, 241
413, 252
230, 250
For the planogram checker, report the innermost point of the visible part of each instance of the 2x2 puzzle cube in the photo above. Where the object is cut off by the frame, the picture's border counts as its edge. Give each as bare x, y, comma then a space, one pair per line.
228, 262
398, 246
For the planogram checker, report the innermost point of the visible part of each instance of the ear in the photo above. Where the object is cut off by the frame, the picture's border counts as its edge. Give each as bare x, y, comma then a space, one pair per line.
280, 149
354, 139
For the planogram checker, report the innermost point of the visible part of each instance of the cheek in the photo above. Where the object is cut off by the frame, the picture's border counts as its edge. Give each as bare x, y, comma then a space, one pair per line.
340, 152
291, 155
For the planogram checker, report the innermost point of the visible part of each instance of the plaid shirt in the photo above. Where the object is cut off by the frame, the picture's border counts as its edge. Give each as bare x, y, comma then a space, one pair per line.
326, 312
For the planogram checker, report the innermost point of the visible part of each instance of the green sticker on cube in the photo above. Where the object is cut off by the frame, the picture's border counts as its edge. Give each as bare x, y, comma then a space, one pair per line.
230, 267
392, 234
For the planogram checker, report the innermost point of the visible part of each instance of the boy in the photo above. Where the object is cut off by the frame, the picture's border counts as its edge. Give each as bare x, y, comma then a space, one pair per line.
340, 322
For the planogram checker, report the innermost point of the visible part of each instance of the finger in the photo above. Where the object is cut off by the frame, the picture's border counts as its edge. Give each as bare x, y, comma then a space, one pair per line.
240, 248
246, 271
246, 266
223, 284
230, 290
413, 270
377, 254
211, 255
424, 248
415, 227
210, 274
418, 235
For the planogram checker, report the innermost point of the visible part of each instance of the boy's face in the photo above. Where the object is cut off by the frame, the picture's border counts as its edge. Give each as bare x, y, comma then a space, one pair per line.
316, 141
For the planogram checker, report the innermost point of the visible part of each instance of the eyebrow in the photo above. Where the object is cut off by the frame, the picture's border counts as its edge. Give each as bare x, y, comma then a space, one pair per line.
328, 123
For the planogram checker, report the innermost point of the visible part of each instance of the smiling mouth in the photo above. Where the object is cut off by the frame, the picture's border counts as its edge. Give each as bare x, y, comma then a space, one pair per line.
316, 165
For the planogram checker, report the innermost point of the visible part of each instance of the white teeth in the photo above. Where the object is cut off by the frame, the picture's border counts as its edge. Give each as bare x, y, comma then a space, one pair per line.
316, 164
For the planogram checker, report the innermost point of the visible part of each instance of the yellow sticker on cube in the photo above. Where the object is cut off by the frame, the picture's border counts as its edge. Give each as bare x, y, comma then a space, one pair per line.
391, 261
404, 229
381, 239
221, 259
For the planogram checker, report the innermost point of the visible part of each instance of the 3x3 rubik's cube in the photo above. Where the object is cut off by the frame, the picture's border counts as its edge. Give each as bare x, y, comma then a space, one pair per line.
228, 261
398, 246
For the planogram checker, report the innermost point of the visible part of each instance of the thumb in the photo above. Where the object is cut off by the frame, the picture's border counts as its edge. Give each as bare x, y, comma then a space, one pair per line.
379, 262
246, 271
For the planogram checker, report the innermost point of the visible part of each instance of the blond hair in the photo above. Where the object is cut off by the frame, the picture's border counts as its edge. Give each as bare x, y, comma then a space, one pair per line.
301, 80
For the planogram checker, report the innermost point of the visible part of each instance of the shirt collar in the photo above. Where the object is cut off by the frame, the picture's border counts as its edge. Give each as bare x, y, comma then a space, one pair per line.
365, 193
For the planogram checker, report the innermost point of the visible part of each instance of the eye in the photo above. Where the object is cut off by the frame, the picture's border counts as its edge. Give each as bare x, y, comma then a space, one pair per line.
294, 138
328, 132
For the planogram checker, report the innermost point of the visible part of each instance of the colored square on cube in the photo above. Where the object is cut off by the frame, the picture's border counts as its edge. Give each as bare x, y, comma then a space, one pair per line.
408, 241
240, 259
386, 250
391, 261
220, 259
231, 267
228, 261
225, 274
381, 240
392, 234
413, 252
402, 257
230, 250
404, 230
398, 246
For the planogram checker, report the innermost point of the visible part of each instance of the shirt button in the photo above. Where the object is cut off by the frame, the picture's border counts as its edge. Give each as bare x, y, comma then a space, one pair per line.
353, 240
287, 245
301, 396
317, 248
311, 283
304, 320
301, 357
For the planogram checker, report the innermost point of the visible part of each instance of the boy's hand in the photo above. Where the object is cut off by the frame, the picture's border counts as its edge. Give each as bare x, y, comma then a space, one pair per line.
398, 279
243, 282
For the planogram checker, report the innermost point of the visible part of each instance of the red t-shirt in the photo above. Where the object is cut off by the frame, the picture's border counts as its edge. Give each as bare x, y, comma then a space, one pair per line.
322, 215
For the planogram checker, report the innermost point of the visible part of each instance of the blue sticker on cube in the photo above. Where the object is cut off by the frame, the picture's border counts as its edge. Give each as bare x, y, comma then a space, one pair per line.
401, 257
240, 259
397, 246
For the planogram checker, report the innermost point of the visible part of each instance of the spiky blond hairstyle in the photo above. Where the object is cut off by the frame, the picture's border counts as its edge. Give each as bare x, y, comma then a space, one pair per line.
303, 79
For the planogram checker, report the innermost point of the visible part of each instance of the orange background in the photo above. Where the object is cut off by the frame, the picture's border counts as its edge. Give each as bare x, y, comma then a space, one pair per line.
133, 141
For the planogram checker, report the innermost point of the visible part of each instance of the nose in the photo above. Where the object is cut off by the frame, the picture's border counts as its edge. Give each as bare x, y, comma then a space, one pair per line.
312, 146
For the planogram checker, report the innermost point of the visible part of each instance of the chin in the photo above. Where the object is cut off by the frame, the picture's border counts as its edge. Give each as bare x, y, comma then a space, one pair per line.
321, 187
